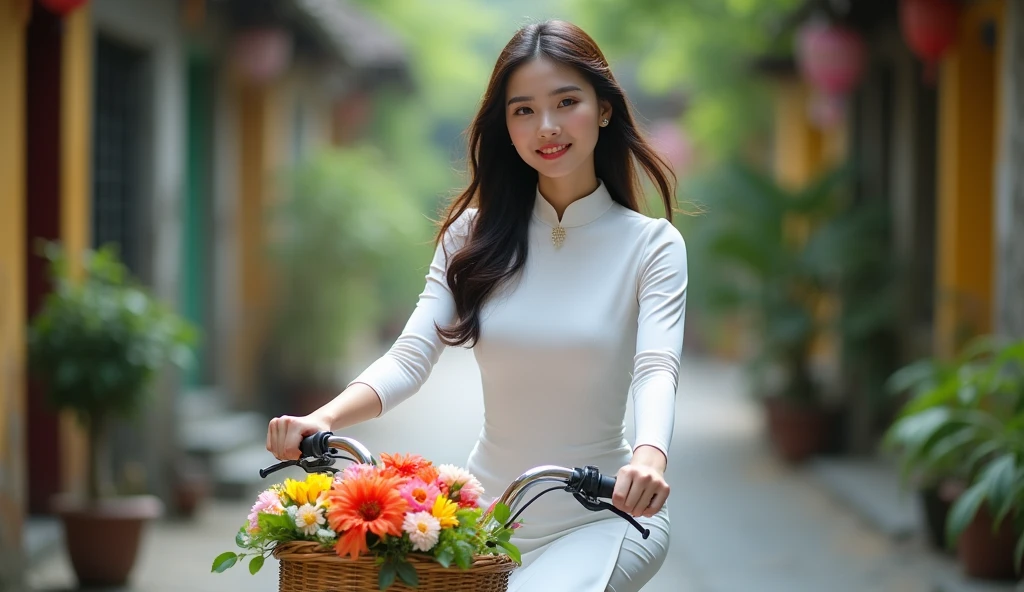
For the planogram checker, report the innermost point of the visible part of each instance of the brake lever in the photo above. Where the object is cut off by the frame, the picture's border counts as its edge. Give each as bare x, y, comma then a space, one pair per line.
595, 505
323, 464
274, 468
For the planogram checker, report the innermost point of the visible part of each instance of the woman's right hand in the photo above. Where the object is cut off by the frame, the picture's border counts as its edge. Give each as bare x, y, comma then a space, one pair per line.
285, 433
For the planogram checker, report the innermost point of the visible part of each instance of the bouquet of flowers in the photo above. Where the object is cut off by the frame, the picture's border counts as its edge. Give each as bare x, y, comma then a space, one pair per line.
402, 507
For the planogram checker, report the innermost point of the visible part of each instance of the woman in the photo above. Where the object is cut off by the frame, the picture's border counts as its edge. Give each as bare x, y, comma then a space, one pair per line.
571, 301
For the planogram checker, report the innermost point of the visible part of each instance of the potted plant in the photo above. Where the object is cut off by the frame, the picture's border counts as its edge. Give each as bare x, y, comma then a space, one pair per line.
96, 346
343, 221
919, 386
963, 432
780, 258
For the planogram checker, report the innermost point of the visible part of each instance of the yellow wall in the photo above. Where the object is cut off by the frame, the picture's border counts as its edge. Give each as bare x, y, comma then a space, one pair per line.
797, 144
262, 147
13, 20
803, 152
75, 194
966, 170
252, 107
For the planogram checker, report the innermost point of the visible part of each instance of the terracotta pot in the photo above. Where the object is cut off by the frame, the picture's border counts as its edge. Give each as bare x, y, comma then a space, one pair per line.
190, 487
797, 431
189, 495
102, 538
985, 554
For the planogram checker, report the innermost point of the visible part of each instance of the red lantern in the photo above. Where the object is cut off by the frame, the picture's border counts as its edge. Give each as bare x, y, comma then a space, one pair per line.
929, 28
61, 7
832, 59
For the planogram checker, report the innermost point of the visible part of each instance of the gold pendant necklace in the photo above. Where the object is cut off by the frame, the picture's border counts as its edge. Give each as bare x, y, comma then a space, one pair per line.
558, 236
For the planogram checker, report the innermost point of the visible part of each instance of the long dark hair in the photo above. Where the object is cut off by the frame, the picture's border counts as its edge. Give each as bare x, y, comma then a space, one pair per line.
503, 187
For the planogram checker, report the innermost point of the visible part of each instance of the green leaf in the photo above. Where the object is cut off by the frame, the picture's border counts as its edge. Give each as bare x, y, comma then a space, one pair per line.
224, 561
463, 554
999, 477
963, 511
512, 550
942, 394
407, 573
256, 564
240, 538
914, 376
502, 513
386, 576
981, 454
446, 556
269, 522
914, 430
951, 449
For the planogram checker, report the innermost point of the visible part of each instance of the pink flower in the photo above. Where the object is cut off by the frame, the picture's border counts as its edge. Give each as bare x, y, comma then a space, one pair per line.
269, 502
355, 471
420, 495
468, 497
461, 485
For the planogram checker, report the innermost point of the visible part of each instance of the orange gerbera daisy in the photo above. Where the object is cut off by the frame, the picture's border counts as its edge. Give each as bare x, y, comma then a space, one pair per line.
410, 465
366, 504
427, 473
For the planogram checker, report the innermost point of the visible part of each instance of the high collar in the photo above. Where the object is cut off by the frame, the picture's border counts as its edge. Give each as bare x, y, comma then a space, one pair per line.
580, 212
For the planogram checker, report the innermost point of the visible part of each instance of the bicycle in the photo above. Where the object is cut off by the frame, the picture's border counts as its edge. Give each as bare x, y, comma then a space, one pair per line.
319, 453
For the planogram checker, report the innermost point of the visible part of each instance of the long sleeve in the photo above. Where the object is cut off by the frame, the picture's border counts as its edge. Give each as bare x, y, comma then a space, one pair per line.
661, 293
400, 372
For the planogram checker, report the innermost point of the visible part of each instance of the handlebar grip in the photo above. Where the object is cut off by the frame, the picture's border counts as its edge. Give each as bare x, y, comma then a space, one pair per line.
606, 487
590, 482
314, 445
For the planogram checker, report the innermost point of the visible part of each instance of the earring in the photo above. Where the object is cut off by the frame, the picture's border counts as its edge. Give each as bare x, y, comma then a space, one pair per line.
604, 122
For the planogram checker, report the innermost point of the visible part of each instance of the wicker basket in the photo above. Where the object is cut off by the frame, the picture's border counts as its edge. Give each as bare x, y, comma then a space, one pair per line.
307, 567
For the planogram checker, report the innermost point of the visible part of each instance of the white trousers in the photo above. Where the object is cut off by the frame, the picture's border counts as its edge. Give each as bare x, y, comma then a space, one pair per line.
566, 567
638, 559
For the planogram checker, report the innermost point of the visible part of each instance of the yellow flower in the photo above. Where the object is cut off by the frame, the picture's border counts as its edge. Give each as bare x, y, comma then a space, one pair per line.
444, 510
309, 491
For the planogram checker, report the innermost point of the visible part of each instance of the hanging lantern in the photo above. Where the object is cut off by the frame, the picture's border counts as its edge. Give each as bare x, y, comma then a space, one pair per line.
261, 55
61, 7
930, 29
831, 58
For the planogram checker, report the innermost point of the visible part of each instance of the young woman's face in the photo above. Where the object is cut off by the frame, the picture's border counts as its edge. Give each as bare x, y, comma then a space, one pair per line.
553, 116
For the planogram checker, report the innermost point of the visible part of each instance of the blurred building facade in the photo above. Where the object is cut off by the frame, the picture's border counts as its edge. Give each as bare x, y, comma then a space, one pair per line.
944, 152
158, 125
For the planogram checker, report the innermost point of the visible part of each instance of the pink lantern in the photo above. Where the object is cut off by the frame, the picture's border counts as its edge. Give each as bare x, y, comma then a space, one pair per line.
262, 55
832, 59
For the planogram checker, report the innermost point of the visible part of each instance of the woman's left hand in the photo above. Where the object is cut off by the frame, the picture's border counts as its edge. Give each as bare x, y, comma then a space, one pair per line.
640, 486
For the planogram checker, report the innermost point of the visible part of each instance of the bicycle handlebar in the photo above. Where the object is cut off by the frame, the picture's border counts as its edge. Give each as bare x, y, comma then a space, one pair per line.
317, 454
586, 484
